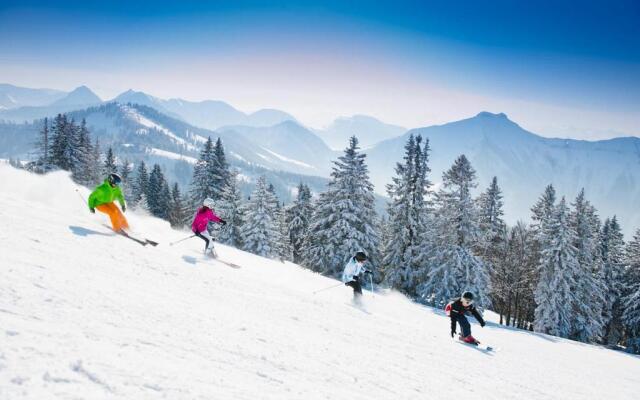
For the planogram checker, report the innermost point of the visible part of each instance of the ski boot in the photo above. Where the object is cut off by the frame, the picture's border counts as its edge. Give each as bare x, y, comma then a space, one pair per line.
468, 339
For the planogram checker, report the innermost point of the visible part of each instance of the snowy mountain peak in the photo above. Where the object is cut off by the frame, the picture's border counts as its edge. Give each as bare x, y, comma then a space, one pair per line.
80, 96
487, 114
132, 96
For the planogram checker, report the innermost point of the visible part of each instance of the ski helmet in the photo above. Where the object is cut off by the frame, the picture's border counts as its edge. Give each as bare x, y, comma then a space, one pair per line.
467, 296
360, 256
114, 179
208, 202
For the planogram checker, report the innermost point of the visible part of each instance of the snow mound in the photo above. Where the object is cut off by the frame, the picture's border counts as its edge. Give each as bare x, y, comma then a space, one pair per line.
88, 314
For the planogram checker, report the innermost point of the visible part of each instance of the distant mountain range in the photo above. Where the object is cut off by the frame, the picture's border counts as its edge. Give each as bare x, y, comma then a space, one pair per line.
137, 132
525, 163
13, 96
23, 104
34, 104
368, 130
272, 142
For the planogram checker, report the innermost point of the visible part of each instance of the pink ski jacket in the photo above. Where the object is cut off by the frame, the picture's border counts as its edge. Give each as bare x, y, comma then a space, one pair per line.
202, 218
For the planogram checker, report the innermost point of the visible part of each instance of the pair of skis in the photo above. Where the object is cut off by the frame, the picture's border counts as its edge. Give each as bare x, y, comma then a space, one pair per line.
142, 242
215, 257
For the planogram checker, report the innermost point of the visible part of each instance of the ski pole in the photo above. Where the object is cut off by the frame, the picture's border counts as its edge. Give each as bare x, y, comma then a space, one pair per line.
81, 197
327, 288
181, 240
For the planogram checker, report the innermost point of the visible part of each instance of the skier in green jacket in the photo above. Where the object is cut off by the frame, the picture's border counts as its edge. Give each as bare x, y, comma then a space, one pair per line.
103, 198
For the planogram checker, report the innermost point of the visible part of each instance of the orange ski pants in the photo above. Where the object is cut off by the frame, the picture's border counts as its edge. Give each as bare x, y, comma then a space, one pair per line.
118, 221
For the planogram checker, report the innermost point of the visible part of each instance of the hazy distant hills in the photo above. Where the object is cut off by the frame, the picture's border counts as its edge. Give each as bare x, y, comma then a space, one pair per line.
39, 103
14, 97
368, 130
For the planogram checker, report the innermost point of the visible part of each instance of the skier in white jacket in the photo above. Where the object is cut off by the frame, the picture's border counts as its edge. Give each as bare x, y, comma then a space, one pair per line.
350, 275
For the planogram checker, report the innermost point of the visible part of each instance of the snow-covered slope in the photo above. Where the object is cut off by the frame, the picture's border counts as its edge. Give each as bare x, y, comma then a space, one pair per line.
90, 315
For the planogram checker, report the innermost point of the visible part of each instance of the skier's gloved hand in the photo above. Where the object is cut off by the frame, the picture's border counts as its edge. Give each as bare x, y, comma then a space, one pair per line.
482, 324
223, 222
366, 271
93, 210
124, 207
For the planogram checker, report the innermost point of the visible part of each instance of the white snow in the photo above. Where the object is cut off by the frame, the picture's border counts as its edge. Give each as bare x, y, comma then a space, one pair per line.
171, 155
286, 159
85, 314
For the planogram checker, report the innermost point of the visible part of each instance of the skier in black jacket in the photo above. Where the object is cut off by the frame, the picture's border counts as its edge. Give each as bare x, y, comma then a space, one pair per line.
456, 310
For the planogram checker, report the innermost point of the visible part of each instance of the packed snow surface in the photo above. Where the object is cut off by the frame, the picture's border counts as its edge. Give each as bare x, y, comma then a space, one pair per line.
86, 314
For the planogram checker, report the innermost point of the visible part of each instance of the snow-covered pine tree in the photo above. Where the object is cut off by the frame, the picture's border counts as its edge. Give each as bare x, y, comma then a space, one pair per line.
203, 182
631, 314
259, 230
83, 172
165, 199
405, 259
231, 210
96, 168
319, 247
298, 218
543, 208
558, 267
177, 211
127, 184
454, 267
589, 289
344, 219
158, 192
74, 151
384, 233
512, 279
61, 143
43, 149
491, 224
284, 246
220, 170
140, 186
612, 274
110, 166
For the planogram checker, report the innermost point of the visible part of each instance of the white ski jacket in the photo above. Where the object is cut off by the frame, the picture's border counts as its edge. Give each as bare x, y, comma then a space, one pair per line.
353, 268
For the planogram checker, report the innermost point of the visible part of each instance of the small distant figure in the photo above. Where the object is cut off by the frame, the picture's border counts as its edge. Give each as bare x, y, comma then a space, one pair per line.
103, 198
351, 275
456, 309
199, 226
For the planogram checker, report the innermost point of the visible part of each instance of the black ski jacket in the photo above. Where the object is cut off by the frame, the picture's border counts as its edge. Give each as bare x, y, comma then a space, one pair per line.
458, 309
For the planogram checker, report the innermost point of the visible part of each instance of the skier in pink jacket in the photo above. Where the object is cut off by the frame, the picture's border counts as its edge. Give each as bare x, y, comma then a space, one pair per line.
203, 216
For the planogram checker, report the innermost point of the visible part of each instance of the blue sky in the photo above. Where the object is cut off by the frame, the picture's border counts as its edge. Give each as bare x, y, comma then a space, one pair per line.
558, 68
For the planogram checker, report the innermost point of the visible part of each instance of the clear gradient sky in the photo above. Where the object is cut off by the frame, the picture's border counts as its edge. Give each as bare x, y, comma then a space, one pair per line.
568, 69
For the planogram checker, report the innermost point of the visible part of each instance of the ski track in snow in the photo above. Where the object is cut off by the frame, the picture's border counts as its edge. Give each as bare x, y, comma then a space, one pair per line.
86, 314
